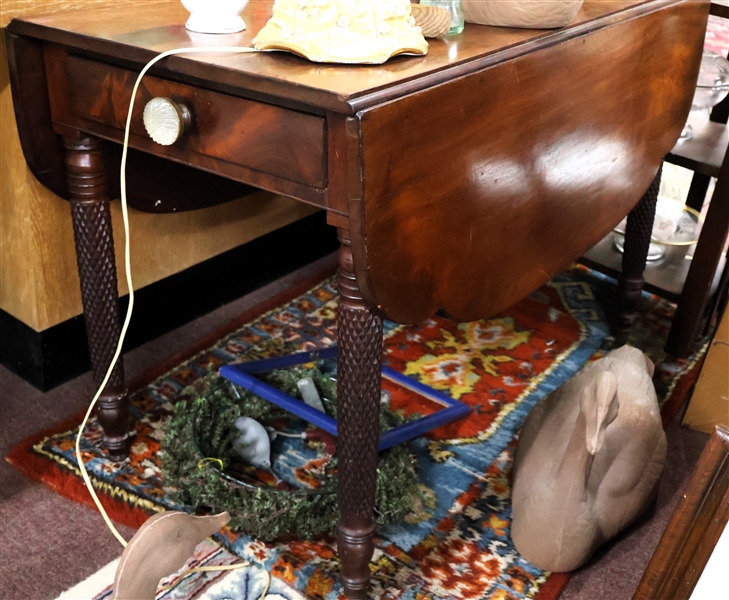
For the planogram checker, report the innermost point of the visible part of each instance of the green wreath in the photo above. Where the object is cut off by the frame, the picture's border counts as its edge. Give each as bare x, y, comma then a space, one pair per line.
198, 454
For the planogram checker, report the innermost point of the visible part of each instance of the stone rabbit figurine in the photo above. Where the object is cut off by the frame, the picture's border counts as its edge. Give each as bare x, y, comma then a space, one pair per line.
159, 548
588, 461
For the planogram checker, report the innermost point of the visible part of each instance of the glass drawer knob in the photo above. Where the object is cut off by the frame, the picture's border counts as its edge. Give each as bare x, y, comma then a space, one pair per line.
165, 120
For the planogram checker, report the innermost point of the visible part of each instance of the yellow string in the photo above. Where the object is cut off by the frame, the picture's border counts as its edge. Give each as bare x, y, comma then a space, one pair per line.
206, 461
128, 318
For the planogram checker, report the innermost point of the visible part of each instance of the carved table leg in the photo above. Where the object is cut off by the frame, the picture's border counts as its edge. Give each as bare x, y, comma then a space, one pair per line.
637, 240
359, 334
99, 292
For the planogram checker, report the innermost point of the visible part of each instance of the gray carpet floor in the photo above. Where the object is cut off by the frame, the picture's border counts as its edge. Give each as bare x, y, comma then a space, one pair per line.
48, 543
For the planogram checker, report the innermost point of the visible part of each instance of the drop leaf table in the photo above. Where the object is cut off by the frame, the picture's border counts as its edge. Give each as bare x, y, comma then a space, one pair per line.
459, 182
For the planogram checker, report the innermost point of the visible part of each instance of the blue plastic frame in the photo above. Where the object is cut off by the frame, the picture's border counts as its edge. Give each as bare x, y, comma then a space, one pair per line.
242, 375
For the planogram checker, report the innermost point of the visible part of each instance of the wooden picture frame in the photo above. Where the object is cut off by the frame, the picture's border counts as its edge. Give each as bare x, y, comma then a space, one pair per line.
694, 528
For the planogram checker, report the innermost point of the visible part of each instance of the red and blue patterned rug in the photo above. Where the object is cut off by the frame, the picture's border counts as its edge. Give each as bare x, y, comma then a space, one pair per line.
717, 35
456, 545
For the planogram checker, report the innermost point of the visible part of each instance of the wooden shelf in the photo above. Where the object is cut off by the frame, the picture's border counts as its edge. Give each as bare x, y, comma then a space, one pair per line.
705, 151
720, 8
664, 277
704, 154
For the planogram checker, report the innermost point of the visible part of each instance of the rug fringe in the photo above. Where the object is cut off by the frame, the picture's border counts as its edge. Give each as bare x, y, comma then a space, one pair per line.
553, 587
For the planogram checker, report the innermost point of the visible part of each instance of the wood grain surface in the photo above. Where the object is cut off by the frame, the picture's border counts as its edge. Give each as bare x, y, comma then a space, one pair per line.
281, 142
30, 265
694, 529
131, 34
474, 174
708, 254
470, 176
38, 277
478, 191
9, 9
705, 150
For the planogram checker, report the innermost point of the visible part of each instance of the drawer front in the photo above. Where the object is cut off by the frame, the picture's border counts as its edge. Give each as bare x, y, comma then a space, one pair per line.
269, 139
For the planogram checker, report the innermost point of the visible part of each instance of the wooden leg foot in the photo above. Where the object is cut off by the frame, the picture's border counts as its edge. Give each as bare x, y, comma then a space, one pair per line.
112, 410
356, 546
359, 338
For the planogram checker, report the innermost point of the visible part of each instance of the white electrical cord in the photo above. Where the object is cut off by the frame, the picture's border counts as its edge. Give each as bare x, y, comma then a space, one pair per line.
128, 271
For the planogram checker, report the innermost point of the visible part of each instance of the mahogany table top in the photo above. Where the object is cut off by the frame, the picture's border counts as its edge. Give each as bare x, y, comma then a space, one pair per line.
466, 178
139, 31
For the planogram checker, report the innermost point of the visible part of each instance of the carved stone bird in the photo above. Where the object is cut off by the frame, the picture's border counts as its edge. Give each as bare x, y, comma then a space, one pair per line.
588, 462
161, 546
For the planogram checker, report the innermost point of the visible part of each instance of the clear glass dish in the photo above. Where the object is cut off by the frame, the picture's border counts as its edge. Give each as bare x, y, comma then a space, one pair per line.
676, 225
712, 86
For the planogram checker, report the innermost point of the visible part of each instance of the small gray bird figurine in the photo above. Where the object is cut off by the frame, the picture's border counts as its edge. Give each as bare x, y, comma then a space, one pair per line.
161, 546
588, 462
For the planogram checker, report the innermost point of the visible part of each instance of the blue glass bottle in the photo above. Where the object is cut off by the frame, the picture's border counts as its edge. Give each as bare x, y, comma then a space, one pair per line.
452, 6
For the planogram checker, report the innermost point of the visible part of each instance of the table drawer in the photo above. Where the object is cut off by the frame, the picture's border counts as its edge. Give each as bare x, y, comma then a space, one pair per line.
269, 139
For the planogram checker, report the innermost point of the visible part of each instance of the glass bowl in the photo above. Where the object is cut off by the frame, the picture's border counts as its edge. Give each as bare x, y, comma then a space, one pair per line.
676, 225
711, 88
713, 83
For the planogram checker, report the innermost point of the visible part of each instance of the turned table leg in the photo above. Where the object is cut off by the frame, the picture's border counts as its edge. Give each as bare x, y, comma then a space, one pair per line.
637, 240
99, 291
359, 338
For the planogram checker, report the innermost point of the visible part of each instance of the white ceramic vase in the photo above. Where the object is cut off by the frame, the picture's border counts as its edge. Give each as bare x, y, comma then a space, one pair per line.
215, 16
529, 14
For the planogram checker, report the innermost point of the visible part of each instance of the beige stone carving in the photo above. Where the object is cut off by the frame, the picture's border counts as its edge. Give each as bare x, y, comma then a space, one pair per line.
588, 462
530, 14
342, 31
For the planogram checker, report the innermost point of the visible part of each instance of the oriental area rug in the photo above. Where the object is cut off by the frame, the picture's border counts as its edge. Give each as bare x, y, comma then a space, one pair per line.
456, 543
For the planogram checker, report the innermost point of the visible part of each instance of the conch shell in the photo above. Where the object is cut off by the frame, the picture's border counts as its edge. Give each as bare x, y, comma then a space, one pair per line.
342, 31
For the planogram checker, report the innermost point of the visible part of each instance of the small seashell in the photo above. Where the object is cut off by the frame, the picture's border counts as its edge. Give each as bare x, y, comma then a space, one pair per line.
163, 121
433, 20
